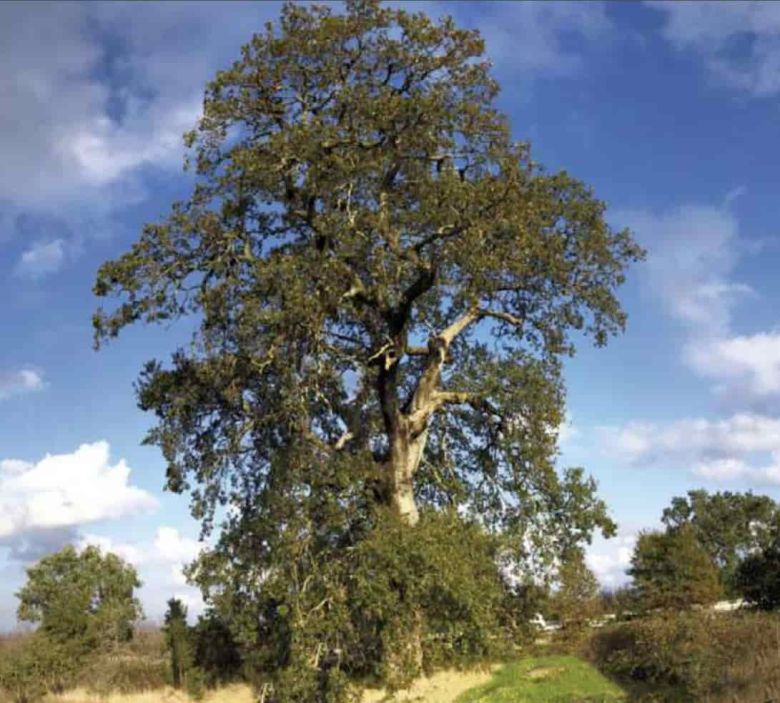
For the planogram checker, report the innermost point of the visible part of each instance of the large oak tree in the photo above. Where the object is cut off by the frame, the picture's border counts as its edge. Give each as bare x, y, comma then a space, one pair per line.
385, 285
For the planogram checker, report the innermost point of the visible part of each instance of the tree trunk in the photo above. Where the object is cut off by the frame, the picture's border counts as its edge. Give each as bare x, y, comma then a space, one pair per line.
405, 455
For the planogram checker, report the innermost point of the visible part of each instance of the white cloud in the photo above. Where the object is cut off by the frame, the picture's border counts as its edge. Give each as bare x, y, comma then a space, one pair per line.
170, 545
67, 490
20, 382
737, 469
747, 366
532, 36
692, 251
610, 558
95, 92
131, 553
740, 434
739, 42
693, 254
41, 259
567, 431
716, 450
126, 80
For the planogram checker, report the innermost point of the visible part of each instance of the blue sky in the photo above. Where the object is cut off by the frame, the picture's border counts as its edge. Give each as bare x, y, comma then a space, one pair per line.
670, 112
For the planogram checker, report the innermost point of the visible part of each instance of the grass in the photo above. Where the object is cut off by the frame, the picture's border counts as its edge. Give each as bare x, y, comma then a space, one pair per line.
551, 679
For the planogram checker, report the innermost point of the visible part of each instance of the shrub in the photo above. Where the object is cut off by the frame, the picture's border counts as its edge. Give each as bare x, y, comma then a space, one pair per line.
124, 672
701, 656
32, 666
758, 578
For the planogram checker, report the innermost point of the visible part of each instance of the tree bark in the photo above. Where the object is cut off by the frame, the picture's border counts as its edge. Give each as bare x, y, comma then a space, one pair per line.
405, 455
408, 428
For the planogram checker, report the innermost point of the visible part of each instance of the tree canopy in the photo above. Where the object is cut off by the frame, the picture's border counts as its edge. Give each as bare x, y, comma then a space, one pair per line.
81, 598
385, 285
672, 570
729, 526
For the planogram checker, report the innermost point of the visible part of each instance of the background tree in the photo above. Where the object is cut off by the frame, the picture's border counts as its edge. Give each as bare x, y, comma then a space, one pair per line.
215, 650
757, 578
672, 570
83, 599
178, 640
575, 601
384, 285
728, 525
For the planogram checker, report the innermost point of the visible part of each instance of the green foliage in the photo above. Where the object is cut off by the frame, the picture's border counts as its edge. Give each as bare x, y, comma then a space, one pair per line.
575, 601
33, 666
728, 525
440, 576
757, 578
672, 570
550, 679
196, 682
216, 653
179, 641
694, 656
361, 226
82, 600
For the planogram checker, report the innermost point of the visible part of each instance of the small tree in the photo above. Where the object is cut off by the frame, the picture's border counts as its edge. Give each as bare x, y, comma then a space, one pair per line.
576, 600
672, 570
215, 650
81, 599
178, 640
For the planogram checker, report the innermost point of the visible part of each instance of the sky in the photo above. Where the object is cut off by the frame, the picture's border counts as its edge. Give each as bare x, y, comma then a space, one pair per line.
668, 110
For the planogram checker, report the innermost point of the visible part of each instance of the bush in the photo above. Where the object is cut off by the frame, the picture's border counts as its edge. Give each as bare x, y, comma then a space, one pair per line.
758, 578
701, 656
32, 666
124, 672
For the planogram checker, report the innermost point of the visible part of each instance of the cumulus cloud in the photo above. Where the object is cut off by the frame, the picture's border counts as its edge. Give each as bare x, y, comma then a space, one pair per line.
610, 558
132, 553
739, 42
66, 491
745, 365
20, 382
693, 254
98, 92
95, 93
744, 447
171, 545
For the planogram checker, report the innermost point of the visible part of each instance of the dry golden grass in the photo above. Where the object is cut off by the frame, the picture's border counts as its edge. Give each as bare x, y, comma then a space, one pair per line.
442, 687
236, 693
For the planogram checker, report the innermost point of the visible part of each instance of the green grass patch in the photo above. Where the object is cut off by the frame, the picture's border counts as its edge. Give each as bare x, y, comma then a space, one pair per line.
554, 679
